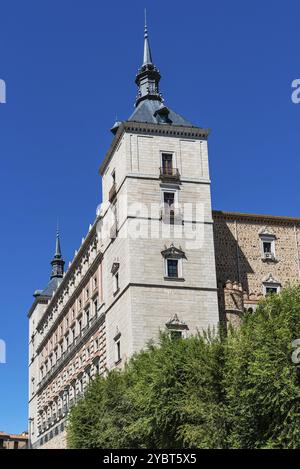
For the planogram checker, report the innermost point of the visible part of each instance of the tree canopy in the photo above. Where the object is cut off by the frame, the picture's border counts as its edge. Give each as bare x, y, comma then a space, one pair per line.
211, 390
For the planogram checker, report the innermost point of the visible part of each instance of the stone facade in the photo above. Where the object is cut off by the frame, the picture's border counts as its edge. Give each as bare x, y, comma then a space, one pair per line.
90, 324
67, 346
155, 259
244, 270
58, 441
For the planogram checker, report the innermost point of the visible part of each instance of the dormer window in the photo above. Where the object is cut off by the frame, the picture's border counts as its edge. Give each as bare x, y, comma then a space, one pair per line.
267, 238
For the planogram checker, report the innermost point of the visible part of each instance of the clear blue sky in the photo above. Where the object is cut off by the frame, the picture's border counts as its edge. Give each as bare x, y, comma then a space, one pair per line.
70, 65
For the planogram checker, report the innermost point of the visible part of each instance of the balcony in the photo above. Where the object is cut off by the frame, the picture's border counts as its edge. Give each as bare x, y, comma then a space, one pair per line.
169, 174
171, 216
268, 256
112, 193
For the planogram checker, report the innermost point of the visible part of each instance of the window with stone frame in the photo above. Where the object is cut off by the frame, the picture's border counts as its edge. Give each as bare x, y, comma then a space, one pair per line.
271, 285
267, 244
167, 163
117, 340
172, 268
170, 212
177, 329
173, 258
95, 306
115, 273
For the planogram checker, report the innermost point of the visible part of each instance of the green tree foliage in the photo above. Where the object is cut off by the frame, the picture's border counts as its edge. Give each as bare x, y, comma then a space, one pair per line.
207, 391
261, 382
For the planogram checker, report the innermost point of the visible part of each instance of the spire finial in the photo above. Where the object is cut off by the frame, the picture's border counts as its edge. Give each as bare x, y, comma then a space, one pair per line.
147, 52
148, 76
57, 244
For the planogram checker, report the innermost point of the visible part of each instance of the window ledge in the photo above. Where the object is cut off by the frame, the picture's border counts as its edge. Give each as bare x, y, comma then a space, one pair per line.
175, 279
269, 259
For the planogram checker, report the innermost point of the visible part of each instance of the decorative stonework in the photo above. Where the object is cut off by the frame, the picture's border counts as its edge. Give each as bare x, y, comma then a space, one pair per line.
173, 253
176, 323
239, 258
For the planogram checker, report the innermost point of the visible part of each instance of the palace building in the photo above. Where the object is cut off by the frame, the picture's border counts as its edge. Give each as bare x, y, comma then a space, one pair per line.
157, 257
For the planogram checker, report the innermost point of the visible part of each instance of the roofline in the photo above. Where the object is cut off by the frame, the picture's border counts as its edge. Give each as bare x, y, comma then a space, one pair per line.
67, 274
150, 128
255, 216
72, 267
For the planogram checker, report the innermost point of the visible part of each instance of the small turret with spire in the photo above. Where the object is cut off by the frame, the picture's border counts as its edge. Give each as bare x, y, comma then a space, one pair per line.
57, 262
148, 76
57, 271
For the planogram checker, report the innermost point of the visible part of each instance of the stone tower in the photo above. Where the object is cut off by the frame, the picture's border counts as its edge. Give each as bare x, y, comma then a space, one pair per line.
156, 227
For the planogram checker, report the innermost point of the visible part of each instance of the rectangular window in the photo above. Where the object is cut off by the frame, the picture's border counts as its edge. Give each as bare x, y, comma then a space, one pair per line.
118, 351
172, 268
95, 306
175, 335
167, 164
116, 282
169, 199
271, 290
267, 247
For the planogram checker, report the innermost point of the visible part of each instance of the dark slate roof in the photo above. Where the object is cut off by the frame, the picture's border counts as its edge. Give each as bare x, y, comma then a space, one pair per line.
51, 287
146, 111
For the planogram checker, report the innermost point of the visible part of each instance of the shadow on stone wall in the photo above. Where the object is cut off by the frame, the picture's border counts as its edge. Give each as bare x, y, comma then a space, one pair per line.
232, 268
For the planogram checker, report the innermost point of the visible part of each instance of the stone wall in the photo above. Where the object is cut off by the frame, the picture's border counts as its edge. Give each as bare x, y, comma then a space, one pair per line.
57, 442
239, 260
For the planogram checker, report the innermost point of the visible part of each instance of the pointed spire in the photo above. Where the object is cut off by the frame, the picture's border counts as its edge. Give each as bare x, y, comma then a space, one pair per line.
148, 76
57, 245
147, 51
57, 262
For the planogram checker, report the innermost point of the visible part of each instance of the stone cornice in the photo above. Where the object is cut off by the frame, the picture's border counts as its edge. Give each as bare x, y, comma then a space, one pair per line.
151, 129
237, 216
